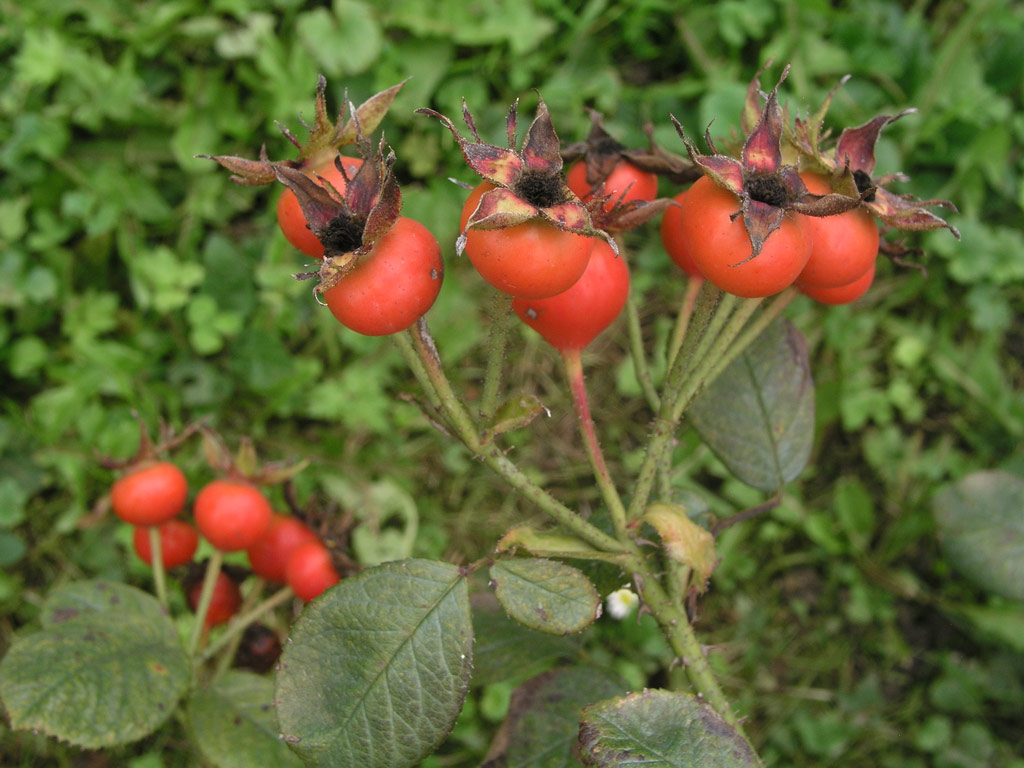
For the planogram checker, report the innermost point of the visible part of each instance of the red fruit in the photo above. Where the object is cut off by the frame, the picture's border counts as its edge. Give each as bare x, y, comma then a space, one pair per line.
842, 294
310, 571
224, 602
178, 542
269, 555
573, 318
531, 260
289, 212
393, 285
150, 494
843, 246
721, 247
672, 238
231, 514
625, 179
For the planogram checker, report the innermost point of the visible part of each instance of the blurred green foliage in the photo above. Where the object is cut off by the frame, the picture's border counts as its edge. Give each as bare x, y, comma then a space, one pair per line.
134, 276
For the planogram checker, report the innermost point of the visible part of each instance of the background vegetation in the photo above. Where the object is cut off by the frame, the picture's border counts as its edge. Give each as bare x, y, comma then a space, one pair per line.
134, 276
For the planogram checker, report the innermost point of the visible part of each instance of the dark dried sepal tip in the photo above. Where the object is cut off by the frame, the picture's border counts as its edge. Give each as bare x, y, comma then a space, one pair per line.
628, 215
601, 152
326, 136
897, 253
854, 156
753, 104
248, 172
908, 213
350, 224
528, 185
764, 186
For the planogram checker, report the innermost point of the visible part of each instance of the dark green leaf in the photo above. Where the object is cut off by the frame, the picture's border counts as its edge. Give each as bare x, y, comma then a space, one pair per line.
234, 724
758, 416
103, 671
544, 717
981, 527
544, 595
377, 668
505, 649
660, 729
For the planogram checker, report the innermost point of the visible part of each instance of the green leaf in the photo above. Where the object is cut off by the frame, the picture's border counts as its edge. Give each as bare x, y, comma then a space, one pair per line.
82, 598
12, 502
544, 717
981, 527
1004, 623
660, 729
506, 649
107, 668
758, 416
347, 41
234, 725
377, 668
544, 595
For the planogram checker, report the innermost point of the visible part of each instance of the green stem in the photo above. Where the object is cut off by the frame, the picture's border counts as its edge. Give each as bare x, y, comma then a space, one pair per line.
492, 454
685, 381
711, 333
416, 366
156, 558
662, 428
577, 386
723, 346
772, 311
238, 624
205, 597
683, 320
676, 626
501, 314
636, 352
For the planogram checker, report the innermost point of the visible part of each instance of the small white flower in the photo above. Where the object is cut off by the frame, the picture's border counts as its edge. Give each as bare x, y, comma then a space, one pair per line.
621, 603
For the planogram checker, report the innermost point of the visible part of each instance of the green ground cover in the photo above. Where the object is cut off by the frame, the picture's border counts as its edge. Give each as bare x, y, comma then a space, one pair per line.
136, 277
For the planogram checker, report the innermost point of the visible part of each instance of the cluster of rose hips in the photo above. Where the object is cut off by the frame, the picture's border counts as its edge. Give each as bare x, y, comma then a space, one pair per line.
233, 515
794, 209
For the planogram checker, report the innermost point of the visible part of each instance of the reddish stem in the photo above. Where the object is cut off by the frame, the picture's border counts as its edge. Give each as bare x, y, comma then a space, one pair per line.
577, 387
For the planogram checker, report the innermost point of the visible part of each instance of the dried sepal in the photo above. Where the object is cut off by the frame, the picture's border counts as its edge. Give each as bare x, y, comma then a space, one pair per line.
601, 152
350, 224
764, 185
245, 463
631, 214
753, 104
148, 451
528, 185
853, 159
326, 137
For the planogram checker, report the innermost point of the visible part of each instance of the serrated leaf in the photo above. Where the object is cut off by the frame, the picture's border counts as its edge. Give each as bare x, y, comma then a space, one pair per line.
544, 595
981, 527
544, 717
505, 649
758, 416
660, 729
102, 671
234, 724
377, 668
